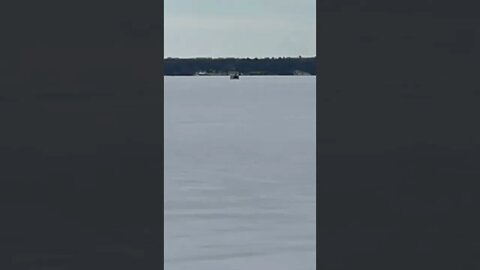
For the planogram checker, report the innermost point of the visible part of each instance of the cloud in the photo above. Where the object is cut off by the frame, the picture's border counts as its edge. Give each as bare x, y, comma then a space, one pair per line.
240, 28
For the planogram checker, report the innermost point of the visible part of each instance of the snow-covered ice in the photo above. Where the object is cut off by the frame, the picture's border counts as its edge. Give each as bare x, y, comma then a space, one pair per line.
240, 173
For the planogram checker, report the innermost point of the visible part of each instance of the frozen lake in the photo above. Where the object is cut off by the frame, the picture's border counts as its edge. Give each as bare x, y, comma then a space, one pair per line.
240, 173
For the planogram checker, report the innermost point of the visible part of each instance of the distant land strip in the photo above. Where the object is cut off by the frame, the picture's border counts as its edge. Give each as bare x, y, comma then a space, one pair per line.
245, 66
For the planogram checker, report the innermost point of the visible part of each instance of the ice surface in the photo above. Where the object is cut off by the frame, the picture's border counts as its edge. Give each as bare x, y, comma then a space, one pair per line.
240, 173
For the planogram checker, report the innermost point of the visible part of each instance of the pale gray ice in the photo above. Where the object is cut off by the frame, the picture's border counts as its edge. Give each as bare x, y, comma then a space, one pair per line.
240, 173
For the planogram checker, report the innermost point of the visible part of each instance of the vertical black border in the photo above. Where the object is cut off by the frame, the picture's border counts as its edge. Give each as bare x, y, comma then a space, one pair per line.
317, 130
162, 190
397, 134
63, 66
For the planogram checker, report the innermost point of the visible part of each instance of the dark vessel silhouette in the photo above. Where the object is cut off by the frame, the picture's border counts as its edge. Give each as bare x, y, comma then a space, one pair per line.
234, 76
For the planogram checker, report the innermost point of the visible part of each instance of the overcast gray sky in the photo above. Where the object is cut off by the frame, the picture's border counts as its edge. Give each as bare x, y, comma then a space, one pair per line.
242, 28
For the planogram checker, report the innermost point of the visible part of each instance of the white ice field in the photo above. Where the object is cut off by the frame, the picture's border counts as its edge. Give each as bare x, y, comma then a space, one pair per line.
240, 173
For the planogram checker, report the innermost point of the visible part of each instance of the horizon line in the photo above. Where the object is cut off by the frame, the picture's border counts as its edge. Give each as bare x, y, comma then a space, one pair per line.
238, 57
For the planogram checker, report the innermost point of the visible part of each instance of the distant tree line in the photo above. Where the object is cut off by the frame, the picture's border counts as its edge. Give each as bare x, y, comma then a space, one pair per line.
245, 66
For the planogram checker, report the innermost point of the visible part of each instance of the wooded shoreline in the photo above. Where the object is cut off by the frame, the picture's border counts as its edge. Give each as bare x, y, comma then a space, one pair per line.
245, 66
